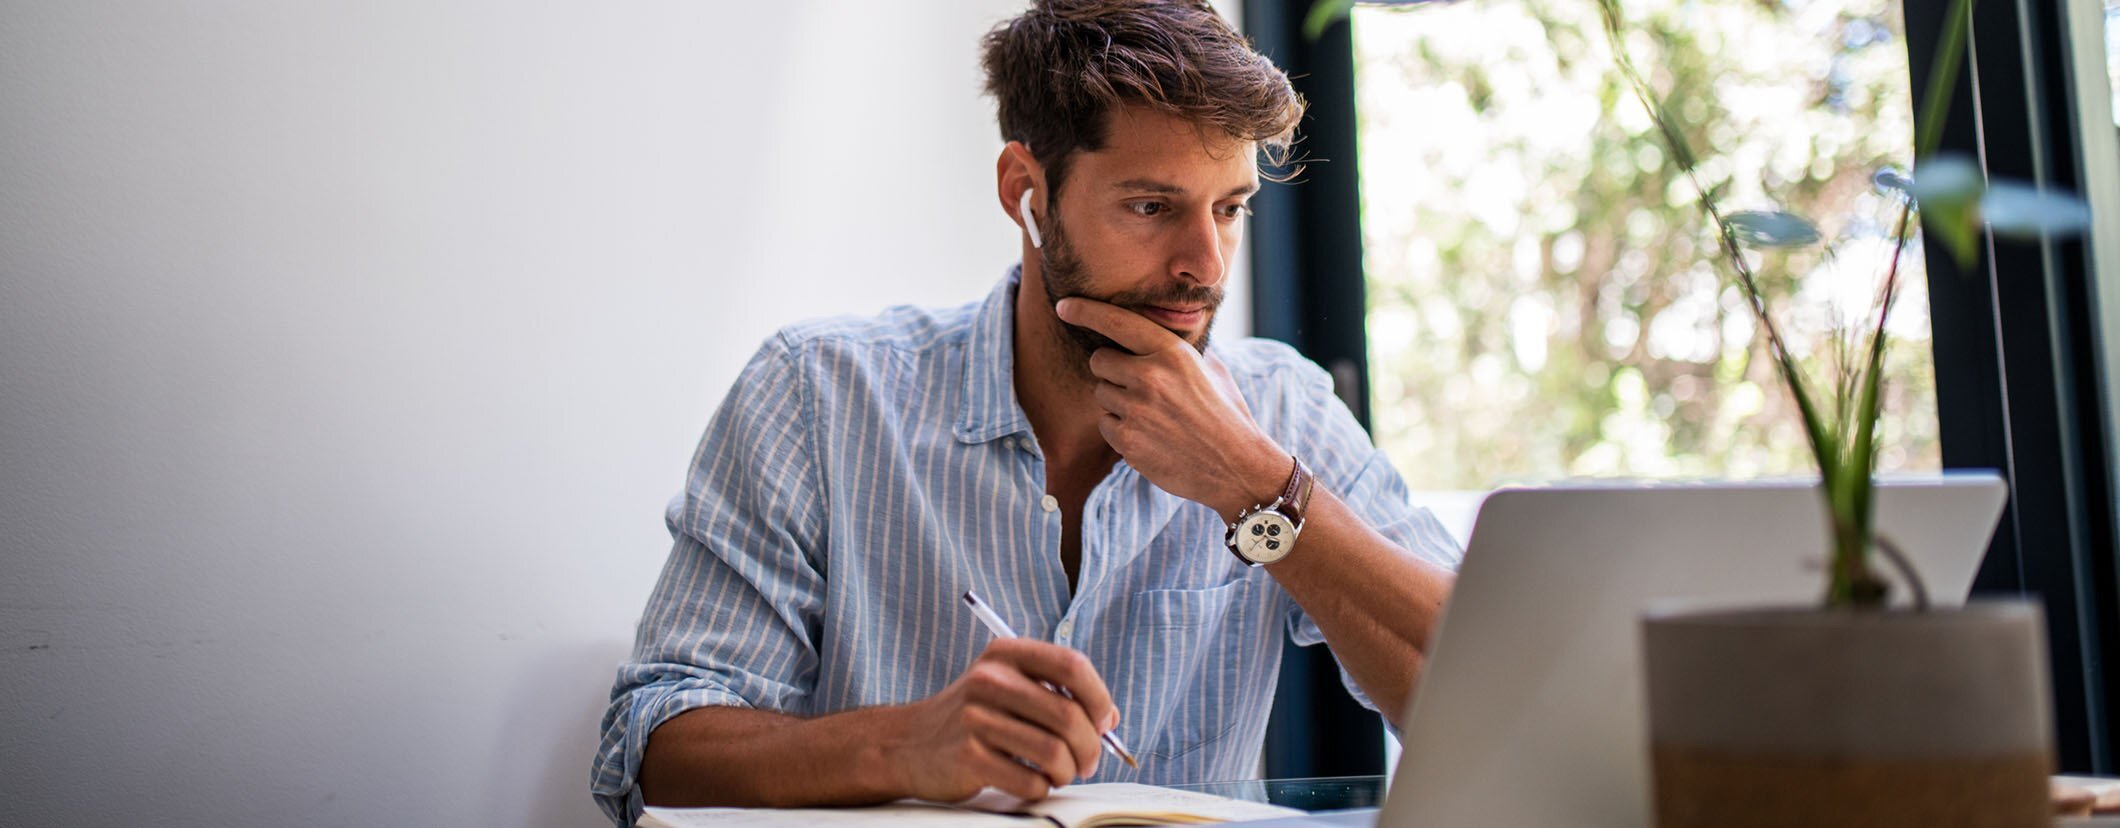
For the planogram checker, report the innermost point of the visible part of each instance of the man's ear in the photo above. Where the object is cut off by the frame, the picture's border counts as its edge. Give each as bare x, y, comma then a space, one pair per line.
1017, 174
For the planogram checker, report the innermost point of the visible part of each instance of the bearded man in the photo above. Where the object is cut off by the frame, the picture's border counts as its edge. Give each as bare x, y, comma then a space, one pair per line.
1150, 511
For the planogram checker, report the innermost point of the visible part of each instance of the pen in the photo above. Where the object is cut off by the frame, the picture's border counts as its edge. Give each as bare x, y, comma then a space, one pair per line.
1000, 629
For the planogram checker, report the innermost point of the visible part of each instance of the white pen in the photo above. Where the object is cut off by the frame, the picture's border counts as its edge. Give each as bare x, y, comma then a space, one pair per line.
1001, 629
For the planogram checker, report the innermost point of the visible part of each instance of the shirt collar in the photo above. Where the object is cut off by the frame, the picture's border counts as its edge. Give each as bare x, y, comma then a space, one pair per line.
990, 410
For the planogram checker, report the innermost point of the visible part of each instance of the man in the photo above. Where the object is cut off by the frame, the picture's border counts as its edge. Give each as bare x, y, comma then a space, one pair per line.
1071, 449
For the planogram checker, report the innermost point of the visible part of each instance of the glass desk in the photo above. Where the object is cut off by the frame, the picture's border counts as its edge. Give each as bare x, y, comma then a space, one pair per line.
1325, 794
1314, 794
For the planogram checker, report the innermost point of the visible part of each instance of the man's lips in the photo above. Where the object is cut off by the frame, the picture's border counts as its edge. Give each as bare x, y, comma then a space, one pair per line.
1175, 317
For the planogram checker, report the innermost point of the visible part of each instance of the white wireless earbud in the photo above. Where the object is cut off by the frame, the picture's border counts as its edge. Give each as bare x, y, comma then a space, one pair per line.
1030, 225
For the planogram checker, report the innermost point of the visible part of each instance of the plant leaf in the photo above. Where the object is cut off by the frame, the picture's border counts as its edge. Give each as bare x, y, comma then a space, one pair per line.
1957, 227
1947, 187
1946, 181
1324, 13
2014, 209
1890, 179
1773, 229
1943, 75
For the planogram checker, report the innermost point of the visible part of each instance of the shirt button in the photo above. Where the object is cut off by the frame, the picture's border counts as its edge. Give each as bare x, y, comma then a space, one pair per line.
1066, 629
1050, 503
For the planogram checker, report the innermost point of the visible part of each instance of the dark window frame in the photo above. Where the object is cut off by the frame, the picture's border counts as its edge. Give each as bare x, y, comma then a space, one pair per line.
2018, 374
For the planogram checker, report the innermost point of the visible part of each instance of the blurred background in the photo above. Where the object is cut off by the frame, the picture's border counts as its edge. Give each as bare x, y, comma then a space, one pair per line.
349, 350
1544, 301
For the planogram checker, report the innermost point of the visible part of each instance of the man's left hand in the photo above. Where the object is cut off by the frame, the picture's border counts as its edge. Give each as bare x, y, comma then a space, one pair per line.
1175, 413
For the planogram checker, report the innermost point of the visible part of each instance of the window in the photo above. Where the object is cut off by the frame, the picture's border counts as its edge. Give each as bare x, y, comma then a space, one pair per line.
2112, 54
1545, 298
1445, 255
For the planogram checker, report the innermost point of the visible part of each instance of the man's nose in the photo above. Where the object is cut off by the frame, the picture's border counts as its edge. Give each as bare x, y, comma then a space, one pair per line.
1198, 258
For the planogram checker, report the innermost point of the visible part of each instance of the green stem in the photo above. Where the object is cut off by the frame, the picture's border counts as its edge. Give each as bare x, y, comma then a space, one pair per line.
1844, 447
1943, 75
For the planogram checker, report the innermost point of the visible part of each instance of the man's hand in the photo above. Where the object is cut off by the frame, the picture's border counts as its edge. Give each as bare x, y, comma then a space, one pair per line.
970, 735
1175, 414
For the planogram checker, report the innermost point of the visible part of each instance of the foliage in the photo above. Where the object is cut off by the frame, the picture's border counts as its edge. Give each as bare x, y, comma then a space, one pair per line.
1841, 424
1544, 302
1840, 418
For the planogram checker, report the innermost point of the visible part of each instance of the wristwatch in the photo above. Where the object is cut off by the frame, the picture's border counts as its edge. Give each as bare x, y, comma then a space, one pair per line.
1267, 532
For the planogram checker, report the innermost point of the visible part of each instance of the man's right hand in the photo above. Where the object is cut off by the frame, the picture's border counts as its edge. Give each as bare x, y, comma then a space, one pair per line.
970, 735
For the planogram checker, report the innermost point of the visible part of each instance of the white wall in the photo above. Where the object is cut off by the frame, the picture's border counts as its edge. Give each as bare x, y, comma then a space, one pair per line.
348, 352
351, 350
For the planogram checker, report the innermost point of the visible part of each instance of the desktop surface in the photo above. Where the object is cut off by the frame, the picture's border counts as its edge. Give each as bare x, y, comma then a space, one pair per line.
1352, 801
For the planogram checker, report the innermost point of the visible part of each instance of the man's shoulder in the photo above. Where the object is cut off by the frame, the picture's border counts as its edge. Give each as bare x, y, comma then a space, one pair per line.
903, 330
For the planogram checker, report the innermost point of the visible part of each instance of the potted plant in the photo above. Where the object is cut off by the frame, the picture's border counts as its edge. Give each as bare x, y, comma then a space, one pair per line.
1848, 713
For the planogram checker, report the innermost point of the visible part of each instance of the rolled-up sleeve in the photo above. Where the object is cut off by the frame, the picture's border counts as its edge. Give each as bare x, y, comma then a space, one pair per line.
733, 620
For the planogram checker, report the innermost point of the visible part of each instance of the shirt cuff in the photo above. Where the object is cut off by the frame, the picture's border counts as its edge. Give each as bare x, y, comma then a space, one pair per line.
647, 710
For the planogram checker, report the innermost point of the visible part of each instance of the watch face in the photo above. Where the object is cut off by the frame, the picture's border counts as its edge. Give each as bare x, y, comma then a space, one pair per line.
1265, 537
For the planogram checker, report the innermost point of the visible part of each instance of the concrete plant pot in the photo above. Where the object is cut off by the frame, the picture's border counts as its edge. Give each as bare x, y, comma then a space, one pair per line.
1831, 718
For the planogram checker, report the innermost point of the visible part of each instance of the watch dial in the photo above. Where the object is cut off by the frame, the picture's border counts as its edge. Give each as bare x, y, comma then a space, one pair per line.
1266, 537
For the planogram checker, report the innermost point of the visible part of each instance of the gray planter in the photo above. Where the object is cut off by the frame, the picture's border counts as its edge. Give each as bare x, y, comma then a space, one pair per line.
1817, 718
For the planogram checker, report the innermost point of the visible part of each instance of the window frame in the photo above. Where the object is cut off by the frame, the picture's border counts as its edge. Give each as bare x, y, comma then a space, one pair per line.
2019, 361
1308, 291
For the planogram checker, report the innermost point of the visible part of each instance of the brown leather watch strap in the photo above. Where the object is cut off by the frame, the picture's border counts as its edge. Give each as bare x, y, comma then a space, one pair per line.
1295, 497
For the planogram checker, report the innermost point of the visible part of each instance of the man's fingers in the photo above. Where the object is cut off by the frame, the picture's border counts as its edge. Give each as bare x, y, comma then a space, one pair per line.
1064, 668
1013, 736
1000, 771
1014, 713
1115, 366
1132, 331
1012, 693
1108, 426
1110, 397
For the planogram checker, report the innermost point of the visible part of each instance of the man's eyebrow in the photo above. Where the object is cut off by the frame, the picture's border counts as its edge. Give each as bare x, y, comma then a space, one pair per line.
1144, 185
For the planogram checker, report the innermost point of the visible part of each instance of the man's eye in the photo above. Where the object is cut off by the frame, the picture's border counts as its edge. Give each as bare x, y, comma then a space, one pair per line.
1146, 209
1236, 211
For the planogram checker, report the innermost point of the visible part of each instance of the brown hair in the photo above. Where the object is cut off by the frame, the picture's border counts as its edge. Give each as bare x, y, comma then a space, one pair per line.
1056, 71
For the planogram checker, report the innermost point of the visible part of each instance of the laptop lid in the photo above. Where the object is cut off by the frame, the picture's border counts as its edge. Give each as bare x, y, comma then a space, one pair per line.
1530, 709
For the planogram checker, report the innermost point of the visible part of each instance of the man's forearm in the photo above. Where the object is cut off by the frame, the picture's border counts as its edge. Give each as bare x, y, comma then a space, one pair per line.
1377, 604
736, 756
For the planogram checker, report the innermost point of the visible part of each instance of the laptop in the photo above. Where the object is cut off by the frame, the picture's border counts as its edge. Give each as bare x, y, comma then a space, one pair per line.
1530, 710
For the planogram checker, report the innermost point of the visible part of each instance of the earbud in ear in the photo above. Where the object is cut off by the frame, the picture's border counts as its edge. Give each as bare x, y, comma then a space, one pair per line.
1030, 224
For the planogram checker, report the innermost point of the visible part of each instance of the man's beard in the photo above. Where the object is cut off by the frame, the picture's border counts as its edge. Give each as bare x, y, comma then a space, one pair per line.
1064, 276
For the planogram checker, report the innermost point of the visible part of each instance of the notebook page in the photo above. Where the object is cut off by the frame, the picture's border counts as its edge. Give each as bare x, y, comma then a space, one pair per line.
1084, 805
896, 815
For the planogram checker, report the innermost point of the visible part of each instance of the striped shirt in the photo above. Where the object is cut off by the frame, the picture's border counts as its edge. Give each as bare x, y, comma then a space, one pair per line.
863, 473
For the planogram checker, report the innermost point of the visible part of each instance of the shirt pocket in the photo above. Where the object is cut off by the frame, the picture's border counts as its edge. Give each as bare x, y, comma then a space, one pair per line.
1188, 659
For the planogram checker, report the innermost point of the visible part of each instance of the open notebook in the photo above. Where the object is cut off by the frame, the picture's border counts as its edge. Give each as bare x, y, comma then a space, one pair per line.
1102, 805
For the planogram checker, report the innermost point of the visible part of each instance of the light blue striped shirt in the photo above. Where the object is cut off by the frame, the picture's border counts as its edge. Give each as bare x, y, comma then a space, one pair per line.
863, 473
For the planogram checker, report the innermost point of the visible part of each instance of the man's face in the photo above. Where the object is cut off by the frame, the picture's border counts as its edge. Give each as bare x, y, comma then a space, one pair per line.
1149, 223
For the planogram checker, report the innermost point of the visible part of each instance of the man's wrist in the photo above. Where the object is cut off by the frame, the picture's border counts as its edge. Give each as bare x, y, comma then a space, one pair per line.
1265, 475
882, 760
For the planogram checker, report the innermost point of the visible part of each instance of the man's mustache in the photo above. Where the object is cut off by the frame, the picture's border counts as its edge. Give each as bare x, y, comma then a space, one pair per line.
1174, 297
1208, 298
